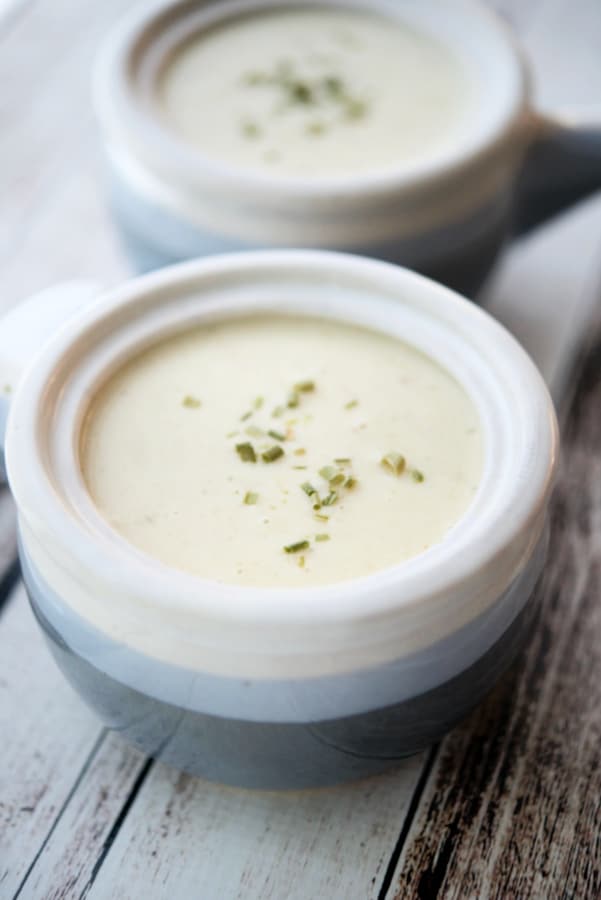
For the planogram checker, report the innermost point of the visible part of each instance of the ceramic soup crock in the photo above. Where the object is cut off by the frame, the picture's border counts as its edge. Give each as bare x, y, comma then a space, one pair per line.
446, 214
274, 687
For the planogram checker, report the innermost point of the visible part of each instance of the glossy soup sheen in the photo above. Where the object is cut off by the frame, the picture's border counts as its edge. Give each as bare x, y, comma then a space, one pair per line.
315, 92
276, 451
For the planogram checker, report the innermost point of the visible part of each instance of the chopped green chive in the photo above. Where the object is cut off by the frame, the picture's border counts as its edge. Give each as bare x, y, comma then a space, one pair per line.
328, 472
278, 411
304, 387
296, 547
246, 452
272, 454
190, 402
293, 400
321, 518
254, 431
250, 129
276, 435
351, 404
300, 92
308, 488
342, 461
333, 85
301, 562
232, 434
315, 128
300, 451
417, 475
355, 108
332, 475
250, 498
330, 499
246, 416
258, 402
300, 467
254, 78
350, 482
394, 462
322, 537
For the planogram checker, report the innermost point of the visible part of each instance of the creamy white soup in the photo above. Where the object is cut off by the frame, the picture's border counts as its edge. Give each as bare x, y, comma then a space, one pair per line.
282, 451
315, 92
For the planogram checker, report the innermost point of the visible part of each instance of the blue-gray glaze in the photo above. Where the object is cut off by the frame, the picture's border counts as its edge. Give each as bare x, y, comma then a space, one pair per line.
282, 755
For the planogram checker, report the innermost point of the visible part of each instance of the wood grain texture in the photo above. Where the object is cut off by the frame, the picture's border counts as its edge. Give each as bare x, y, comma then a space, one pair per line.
80, 837
48, 737
188, 838
512, 808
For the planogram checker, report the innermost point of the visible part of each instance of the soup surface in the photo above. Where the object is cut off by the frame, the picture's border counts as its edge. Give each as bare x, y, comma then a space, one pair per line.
315, 92
281, 451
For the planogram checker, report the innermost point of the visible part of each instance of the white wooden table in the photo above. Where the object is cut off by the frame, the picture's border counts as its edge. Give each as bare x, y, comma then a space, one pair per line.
508, 805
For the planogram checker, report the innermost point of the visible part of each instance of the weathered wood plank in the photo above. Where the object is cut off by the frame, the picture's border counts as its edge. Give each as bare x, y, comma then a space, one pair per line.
47, 738
84, 831
512, 808
187, 838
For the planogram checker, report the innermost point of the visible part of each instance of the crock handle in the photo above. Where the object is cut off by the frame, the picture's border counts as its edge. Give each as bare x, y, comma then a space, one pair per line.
562, 165
24, 331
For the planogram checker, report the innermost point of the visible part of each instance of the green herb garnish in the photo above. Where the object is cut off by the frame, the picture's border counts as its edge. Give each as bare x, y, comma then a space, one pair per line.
300, 467
276, 435
300, 451
417, 475
351, 404
355, 108
330, 499
322, 537
299, 92
190, 402
293, 400
308, 488
254, 431
350, 482
333, 85
342, 461
278, 411
246, 416
304, 387
331, 475
296, 547
254, 78
258, 402
250, 130
246, 452
321, 518
301, 562
250, 498
272, 454
394, 462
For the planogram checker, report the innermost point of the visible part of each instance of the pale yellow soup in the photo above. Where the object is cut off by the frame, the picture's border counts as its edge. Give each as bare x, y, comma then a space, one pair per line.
315, 92
375, 451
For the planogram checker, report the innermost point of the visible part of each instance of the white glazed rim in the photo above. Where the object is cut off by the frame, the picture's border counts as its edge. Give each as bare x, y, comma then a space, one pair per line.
122, 115
110, 560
